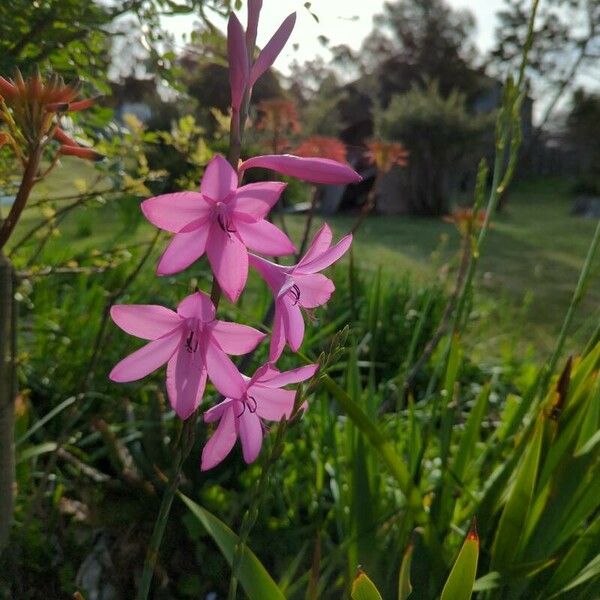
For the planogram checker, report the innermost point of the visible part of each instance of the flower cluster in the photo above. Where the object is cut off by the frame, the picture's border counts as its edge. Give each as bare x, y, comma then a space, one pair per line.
228, 222
30, 109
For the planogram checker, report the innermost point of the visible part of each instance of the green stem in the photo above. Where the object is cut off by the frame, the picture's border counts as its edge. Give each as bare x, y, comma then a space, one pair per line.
184, 447
251, 514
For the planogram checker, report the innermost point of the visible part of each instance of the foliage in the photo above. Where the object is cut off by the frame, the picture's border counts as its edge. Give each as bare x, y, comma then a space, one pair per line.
584, 132
567, 42
73, 37
440, 135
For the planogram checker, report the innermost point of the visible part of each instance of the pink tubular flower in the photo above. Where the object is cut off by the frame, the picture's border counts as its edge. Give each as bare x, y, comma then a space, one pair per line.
315, 170
221, 220
191, 341
247, 402
240, 46
299, 286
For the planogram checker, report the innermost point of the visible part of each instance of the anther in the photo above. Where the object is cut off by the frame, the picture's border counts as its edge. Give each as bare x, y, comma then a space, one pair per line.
295, 291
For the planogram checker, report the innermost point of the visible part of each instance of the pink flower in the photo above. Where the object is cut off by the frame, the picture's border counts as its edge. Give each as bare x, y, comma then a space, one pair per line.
299, 286
191, 341
315, 170
221, 220
247, 402
242, 73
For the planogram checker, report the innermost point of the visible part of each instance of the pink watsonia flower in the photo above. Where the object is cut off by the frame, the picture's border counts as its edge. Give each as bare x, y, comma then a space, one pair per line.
299, 286
243, 72
314, 170
221, 220
191, 341
247, 402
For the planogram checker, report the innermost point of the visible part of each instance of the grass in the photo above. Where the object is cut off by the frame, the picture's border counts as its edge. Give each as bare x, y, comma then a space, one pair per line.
528, 271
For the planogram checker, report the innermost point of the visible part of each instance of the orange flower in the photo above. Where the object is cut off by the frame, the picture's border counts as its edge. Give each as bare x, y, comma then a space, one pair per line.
385, 155
31, 109
464, 220
323, 147
277, 115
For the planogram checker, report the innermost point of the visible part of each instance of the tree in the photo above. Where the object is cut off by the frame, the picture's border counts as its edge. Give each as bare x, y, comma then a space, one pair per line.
583, 129
566, 46
415, 41
442, 139
73, 37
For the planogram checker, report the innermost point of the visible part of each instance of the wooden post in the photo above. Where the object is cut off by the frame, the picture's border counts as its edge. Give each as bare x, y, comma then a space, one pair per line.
7, 450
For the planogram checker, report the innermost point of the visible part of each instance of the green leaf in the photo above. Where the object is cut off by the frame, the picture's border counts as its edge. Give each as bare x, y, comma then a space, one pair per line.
514, 516
590, 572
575, 558
364, 589
379, 441
253, 576
404, 585
459, 585
47, 417
470, 435
33, 451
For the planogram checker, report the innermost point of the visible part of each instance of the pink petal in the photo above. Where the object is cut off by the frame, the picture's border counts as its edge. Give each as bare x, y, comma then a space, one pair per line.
255, 200
264, 371
197, 306
271, 51
172, 212
315, 290
146, 321
186, 380
320, 243
223, 373
272, 273
147, 359
273, 404
251, 435
327, 258
294, 324
234, 338
276, 379
228, 258
183, 250
221, 442
278, 333
315, 170
264, 237
238, 62
254, 8
216, 412
219, 180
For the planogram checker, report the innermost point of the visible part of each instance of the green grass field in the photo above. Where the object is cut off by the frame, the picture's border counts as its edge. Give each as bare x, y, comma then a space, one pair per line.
528, 271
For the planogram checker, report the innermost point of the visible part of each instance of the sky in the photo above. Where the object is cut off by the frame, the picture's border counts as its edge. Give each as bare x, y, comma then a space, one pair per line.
341, 21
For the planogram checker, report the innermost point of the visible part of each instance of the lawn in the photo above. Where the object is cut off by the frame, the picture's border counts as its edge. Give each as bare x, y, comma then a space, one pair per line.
528, 270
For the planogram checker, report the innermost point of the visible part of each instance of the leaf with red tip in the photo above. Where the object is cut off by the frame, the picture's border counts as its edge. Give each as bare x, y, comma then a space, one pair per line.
459, 585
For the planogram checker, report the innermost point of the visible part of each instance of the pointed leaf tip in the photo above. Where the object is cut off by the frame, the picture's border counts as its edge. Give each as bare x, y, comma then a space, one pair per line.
473, 535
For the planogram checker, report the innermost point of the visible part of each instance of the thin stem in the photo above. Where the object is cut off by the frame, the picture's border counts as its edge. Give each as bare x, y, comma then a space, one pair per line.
308, 223
185, 444
251, 514
27, 183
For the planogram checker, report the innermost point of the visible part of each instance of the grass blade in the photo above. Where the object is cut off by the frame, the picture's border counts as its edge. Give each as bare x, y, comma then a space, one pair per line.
253, 576
459, 585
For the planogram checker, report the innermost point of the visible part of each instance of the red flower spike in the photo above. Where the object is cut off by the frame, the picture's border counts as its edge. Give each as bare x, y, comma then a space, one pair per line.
81, 152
